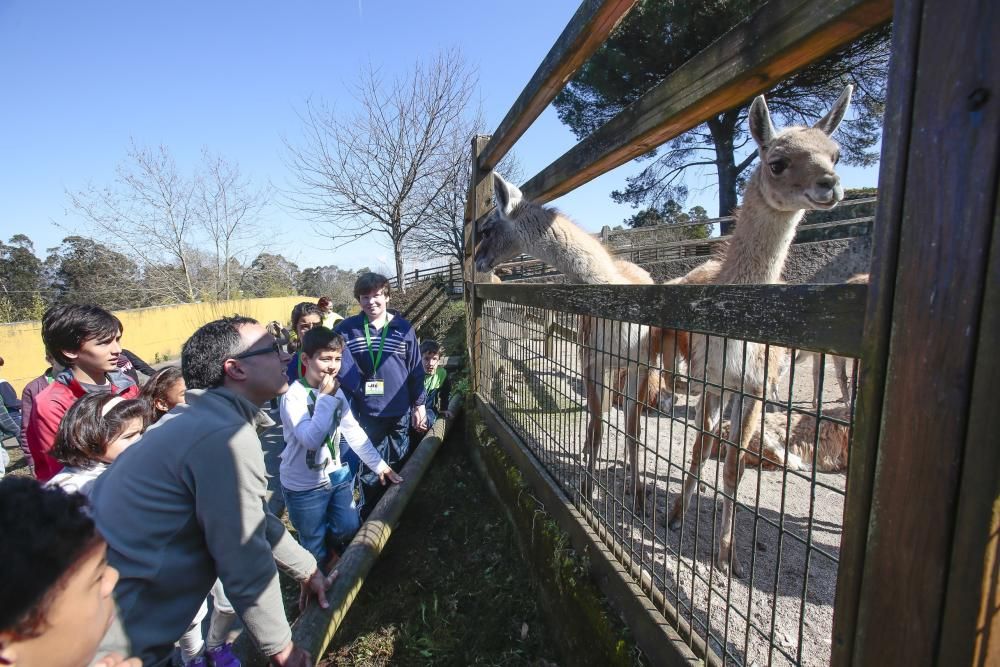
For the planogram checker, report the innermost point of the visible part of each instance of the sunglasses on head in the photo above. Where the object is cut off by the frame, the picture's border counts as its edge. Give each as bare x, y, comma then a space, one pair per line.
273, 347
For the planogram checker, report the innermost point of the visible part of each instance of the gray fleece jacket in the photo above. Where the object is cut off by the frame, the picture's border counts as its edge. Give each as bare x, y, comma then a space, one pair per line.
184, 505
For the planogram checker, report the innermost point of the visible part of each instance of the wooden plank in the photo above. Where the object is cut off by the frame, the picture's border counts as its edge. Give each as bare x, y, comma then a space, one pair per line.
826, 318
585, 33
480, 197
780, 38
658, 640
944, 236
971, 627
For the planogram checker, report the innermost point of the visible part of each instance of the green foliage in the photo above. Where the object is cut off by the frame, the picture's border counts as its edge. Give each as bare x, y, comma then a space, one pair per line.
671, 213
330, 281
656, 38
270, 275
21, 278
85, 271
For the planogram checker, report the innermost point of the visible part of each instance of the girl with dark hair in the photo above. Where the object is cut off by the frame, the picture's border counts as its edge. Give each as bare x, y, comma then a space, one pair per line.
305, 316
163, 391
93, 432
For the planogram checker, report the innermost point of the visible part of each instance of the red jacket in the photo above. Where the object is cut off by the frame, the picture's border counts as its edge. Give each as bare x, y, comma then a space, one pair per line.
48, 409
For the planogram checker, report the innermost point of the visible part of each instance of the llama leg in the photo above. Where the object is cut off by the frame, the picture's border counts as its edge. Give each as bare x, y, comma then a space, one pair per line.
840, 364
636, 386
746, 415
550, 332
592, 444
707, 419
817, 369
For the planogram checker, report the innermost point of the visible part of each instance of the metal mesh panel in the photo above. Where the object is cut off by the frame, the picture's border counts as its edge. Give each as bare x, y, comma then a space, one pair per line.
789, 504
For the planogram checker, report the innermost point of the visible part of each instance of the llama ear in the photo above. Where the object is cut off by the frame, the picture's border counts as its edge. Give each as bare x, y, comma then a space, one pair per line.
761, 127
507, 195
831, 121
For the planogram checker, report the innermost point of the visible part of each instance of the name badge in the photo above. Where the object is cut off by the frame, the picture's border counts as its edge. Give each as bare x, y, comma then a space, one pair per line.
374, 388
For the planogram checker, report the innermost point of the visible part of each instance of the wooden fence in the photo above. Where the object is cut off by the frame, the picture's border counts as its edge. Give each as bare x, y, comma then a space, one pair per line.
919, 557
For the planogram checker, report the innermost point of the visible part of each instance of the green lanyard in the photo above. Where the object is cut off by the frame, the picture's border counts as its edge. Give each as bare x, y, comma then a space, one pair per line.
368, 340
334, 449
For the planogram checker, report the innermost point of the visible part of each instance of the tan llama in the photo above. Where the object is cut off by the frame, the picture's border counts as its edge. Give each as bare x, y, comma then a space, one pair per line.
796, 172
518, 226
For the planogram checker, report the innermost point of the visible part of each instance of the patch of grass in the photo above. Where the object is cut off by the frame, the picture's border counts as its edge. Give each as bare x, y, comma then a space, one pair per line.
450, 588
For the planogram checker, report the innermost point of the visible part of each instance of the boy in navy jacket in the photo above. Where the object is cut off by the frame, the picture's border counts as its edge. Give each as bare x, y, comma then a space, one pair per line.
391, 394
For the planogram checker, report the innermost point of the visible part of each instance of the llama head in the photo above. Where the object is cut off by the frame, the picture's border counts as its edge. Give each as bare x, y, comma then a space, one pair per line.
798, 164
497, 239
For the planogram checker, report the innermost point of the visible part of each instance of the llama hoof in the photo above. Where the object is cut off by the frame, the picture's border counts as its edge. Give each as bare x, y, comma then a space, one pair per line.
639, 497
722, 564
674, 519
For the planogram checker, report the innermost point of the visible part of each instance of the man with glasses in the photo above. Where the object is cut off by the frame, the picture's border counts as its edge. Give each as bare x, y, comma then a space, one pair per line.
186, 505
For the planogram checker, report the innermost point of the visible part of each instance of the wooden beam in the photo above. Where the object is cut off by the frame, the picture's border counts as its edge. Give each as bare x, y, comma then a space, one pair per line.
780, 38
877, 327
585, 33
826, 318
480, 198
936, 399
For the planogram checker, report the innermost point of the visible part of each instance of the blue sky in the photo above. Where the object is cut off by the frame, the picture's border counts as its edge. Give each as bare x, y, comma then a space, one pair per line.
82, 78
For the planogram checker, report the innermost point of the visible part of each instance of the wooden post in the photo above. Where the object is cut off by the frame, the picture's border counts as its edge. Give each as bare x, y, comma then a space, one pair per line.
479, 200
919, 573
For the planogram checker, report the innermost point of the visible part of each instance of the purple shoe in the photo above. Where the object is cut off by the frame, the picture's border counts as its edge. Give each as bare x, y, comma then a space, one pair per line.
222, 656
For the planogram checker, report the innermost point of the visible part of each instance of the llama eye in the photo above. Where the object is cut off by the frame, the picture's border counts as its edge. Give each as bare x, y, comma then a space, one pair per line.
778, 166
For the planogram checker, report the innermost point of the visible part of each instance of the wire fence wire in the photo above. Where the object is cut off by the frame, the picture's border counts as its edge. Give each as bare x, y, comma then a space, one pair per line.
789, 504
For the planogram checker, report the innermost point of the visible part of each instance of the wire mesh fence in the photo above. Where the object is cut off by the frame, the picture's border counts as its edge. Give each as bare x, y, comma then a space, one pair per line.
625, 417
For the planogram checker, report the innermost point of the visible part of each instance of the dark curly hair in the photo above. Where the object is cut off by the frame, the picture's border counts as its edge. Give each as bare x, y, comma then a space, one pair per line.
157, 387
68, 327
85, 433
46, 534
206, 351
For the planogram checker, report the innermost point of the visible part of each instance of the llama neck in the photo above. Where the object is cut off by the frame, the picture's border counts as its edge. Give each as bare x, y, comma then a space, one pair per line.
759, 245
579, 256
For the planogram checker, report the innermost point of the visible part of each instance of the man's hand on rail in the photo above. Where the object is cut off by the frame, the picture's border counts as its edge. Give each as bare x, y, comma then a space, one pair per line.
316, 585
292, 656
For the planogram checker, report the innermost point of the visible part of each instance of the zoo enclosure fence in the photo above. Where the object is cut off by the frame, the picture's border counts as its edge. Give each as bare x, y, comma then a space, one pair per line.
913, 587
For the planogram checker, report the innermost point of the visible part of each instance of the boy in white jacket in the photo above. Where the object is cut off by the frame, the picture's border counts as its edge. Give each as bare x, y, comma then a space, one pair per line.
317, 484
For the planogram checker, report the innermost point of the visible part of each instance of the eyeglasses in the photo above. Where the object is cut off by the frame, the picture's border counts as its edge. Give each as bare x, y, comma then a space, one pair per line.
273, 347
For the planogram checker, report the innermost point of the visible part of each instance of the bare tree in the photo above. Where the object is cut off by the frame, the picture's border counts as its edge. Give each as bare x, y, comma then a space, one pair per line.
382, 168
230, 208
443, 233
149, 212
166, 222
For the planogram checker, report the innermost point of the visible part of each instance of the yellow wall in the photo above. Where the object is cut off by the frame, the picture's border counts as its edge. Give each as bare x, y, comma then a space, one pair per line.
148, 332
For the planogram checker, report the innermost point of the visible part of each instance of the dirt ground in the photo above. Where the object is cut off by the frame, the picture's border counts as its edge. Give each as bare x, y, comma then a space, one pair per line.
788, 524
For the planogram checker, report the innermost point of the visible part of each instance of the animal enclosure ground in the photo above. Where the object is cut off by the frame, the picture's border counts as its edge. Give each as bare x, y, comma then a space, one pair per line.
450, 588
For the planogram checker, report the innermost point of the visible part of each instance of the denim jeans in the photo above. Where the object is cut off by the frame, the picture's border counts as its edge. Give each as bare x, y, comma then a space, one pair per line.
329, 509
391, 437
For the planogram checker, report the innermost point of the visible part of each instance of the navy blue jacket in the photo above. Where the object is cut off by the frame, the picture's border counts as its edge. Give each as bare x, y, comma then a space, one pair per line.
400, 367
